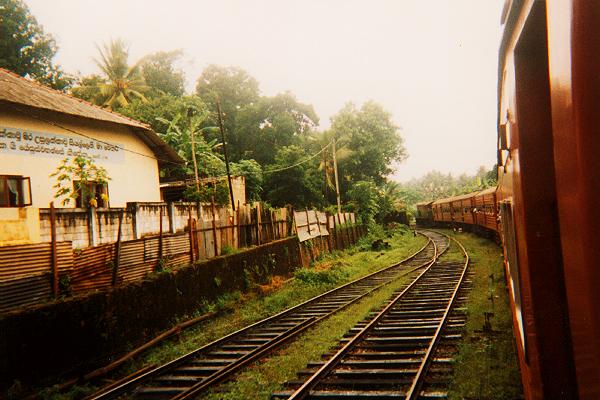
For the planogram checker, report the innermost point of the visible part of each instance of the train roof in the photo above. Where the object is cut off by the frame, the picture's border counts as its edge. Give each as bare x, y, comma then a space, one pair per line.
454, 198
487, 191
465, 196
424, 203
444, 200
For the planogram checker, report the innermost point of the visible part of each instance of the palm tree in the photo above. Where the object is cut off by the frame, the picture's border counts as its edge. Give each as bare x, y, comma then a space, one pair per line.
121, 82
324, 139
181, 134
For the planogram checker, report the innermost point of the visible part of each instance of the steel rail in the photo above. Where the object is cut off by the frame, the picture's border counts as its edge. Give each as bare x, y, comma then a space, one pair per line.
305, 389
414, 390
261, 350
314, 380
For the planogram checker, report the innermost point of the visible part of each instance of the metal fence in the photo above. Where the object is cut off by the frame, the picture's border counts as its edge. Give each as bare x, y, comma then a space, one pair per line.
36, 273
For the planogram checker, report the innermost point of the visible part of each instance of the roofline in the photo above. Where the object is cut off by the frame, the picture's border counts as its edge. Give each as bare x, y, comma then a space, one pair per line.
133, 122
163, 153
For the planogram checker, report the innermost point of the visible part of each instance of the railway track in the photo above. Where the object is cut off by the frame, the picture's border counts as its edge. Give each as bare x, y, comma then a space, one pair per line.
389, 356
193, 373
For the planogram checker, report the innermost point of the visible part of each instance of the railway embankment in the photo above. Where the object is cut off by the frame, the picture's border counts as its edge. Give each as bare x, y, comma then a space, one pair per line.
486, 364
330, 271
76, 334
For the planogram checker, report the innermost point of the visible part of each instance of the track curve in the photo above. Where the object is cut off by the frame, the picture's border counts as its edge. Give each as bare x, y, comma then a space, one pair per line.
388, 357
191, 374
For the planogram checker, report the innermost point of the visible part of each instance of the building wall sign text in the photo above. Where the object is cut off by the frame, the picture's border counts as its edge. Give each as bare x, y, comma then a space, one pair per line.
41, 144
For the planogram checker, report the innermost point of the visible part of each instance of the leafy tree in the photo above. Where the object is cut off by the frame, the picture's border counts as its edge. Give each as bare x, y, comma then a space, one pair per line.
235, 89
374, 140
161, 76
233, 85
298, 186
79, 176
390, 201
88, 88
26, 49
219, 191
156, 110
435, 185
178, 135
252, 172
272, 123
364, 200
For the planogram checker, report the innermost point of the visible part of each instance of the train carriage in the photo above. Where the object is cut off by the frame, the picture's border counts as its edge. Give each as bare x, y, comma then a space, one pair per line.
463, 206
485, 213
548, 158
424, 215
442, 211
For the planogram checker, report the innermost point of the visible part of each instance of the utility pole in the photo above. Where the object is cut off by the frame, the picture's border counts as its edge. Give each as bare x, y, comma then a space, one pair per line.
335, 171
193, 149
225, 152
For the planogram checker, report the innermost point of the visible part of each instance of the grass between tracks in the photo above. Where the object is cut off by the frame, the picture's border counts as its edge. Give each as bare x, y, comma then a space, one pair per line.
263, 378
486, 366
331, 271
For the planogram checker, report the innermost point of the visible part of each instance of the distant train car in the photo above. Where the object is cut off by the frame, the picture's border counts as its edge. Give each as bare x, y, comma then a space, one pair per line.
549, 163
442, 211
485, 211
424, 215
462, 208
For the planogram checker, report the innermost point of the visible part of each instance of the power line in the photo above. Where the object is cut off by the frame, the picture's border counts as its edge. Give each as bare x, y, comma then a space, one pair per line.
152, 157
298, 163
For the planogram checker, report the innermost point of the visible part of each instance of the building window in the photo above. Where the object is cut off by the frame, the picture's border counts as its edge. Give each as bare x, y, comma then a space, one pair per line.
15, 191
92, 190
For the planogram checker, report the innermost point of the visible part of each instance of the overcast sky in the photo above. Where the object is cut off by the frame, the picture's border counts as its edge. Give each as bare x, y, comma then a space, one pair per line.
432, 64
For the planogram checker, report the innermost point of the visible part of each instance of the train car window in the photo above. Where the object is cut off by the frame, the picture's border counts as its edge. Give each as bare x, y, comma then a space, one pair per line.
510, 243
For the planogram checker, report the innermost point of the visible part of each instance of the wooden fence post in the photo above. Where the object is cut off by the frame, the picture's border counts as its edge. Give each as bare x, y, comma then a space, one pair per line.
237, 224
341, 242
214, 226
312, 256
191, 232
329, 237
322, 247
354, 239
258, 224
272, 225
54, 266
347, 230
115, 270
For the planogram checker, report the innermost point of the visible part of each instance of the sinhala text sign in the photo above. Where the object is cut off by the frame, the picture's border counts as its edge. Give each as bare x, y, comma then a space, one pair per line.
16, 141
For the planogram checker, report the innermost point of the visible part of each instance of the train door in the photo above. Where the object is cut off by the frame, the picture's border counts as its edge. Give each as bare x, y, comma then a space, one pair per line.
536, 217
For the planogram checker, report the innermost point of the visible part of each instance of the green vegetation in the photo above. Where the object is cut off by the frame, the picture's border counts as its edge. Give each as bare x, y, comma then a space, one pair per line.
434, 185
26, 49
486, 365
260, 380
273, 141
80, 177
241, 310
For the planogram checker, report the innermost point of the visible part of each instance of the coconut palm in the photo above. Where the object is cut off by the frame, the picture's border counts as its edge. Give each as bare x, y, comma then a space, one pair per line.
324, 139
121, 82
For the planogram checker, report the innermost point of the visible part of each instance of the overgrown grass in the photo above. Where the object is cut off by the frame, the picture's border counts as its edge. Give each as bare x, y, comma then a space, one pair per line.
330, 271
486, 366
269, 375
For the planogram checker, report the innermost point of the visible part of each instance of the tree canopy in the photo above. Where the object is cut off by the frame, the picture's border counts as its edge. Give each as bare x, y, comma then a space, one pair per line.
26, 49
273, 141
372, 137
160, 74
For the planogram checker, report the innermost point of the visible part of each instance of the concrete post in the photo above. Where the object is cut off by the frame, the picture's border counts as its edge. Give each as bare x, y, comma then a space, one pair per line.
135, 220
171, 211
92, 226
